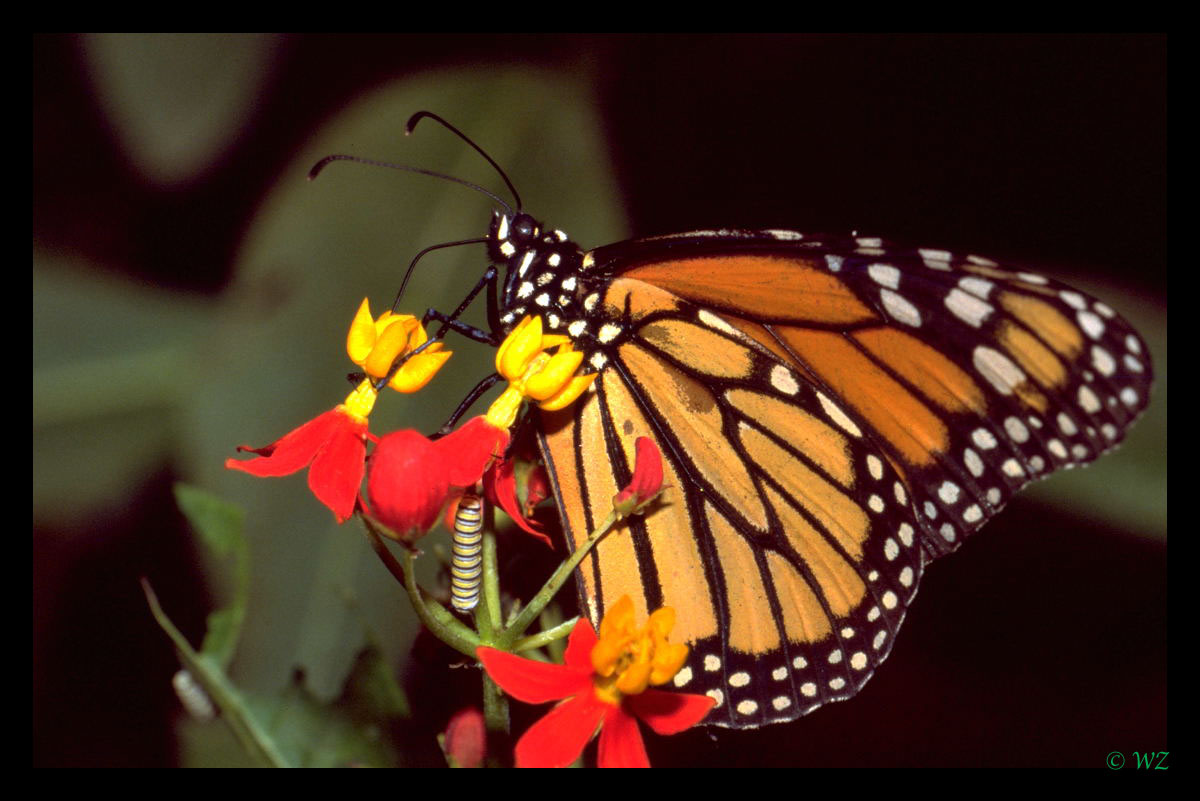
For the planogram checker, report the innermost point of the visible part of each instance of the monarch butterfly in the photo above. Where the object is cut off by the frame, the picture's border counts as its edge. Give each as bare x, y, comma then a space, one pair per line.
834, 413
466, 565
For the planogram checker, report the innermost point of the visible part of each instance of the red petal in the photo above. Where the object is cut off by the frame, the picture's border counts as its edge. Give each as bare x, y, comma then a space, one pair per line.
465, 738
294, 450
500, 484
468, 451
558, 739
533, 682
647, 468
669, 713
621, 743
406, 484
337, 471
579, 646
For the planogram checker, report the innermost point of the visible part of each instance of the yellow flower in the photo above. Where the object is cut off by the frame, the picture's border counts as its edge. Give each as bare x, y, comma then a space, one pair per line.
376, 344
534, 373
627, 659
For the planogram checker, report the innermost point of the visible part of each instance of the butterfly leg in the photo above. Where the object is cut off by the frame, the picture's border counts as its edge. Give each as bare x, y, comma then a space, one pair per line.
472, 396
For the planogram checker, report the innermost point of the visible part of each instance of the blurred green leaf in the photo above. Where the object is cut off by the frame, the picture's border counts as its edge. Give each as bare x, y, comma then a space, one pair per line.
220, 524
178, 100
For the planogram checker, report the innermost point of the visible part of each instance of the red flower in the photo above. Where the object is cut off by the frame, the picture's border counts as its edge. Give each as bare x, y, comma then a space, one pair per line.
465, 740
412, 477
500, 484
646, 482
604, 681
406, 485
334, 444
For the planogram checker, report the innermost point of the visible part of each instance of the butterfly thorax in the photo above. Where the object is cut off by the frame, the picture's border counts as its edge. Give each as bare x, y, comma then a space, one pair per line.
544, 275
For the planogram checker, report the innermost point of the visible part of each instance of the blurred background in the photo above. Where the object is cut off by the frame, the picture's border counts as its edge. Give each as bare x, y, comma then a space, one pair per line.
191, 292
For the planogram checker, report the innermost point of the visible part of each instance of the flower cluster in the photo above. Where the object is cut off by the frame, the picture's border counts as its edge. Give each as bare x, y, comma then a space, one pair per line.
334, 445
604, 684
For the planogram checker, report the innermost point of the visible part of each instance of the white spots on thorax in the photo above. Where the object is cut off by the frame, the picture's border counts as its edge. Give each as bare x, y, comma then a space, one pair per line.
564, 300
545, 278
885, 275
576, 328
598, 361
997, 369
502, 228
589, 261
507, 249
554, 259
543, 300
568, 283
900, 308
526, 260
967, 307
554, 320
609, 332
524, 290
834, 412
589, 303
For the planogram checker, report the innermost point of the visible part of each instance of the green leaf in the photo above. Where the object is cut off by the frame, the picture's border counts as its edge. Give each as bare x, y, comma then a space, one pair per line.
220, 525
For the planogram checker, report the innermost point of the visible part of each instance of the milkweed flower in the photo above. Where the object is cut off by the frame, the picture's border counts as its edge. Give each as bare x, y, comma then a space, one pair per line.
465, 740
534, 373
647, 479
500, 483
333, 445
604, 684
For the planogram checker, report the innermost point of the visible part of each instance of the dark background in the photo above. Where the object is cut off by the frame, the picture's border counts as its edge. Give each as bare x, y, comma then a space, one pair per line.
1042, 150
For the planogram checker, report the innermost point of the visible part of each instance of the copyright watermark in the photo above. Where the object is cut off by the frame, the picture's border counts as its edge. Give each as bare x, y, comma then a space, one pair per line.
1141, 760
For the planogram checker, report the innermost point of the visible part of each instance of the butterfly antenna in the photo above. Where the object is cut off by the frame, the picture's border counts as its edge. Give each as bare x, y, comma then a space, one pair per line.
325, 162
408, 273
420, 115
